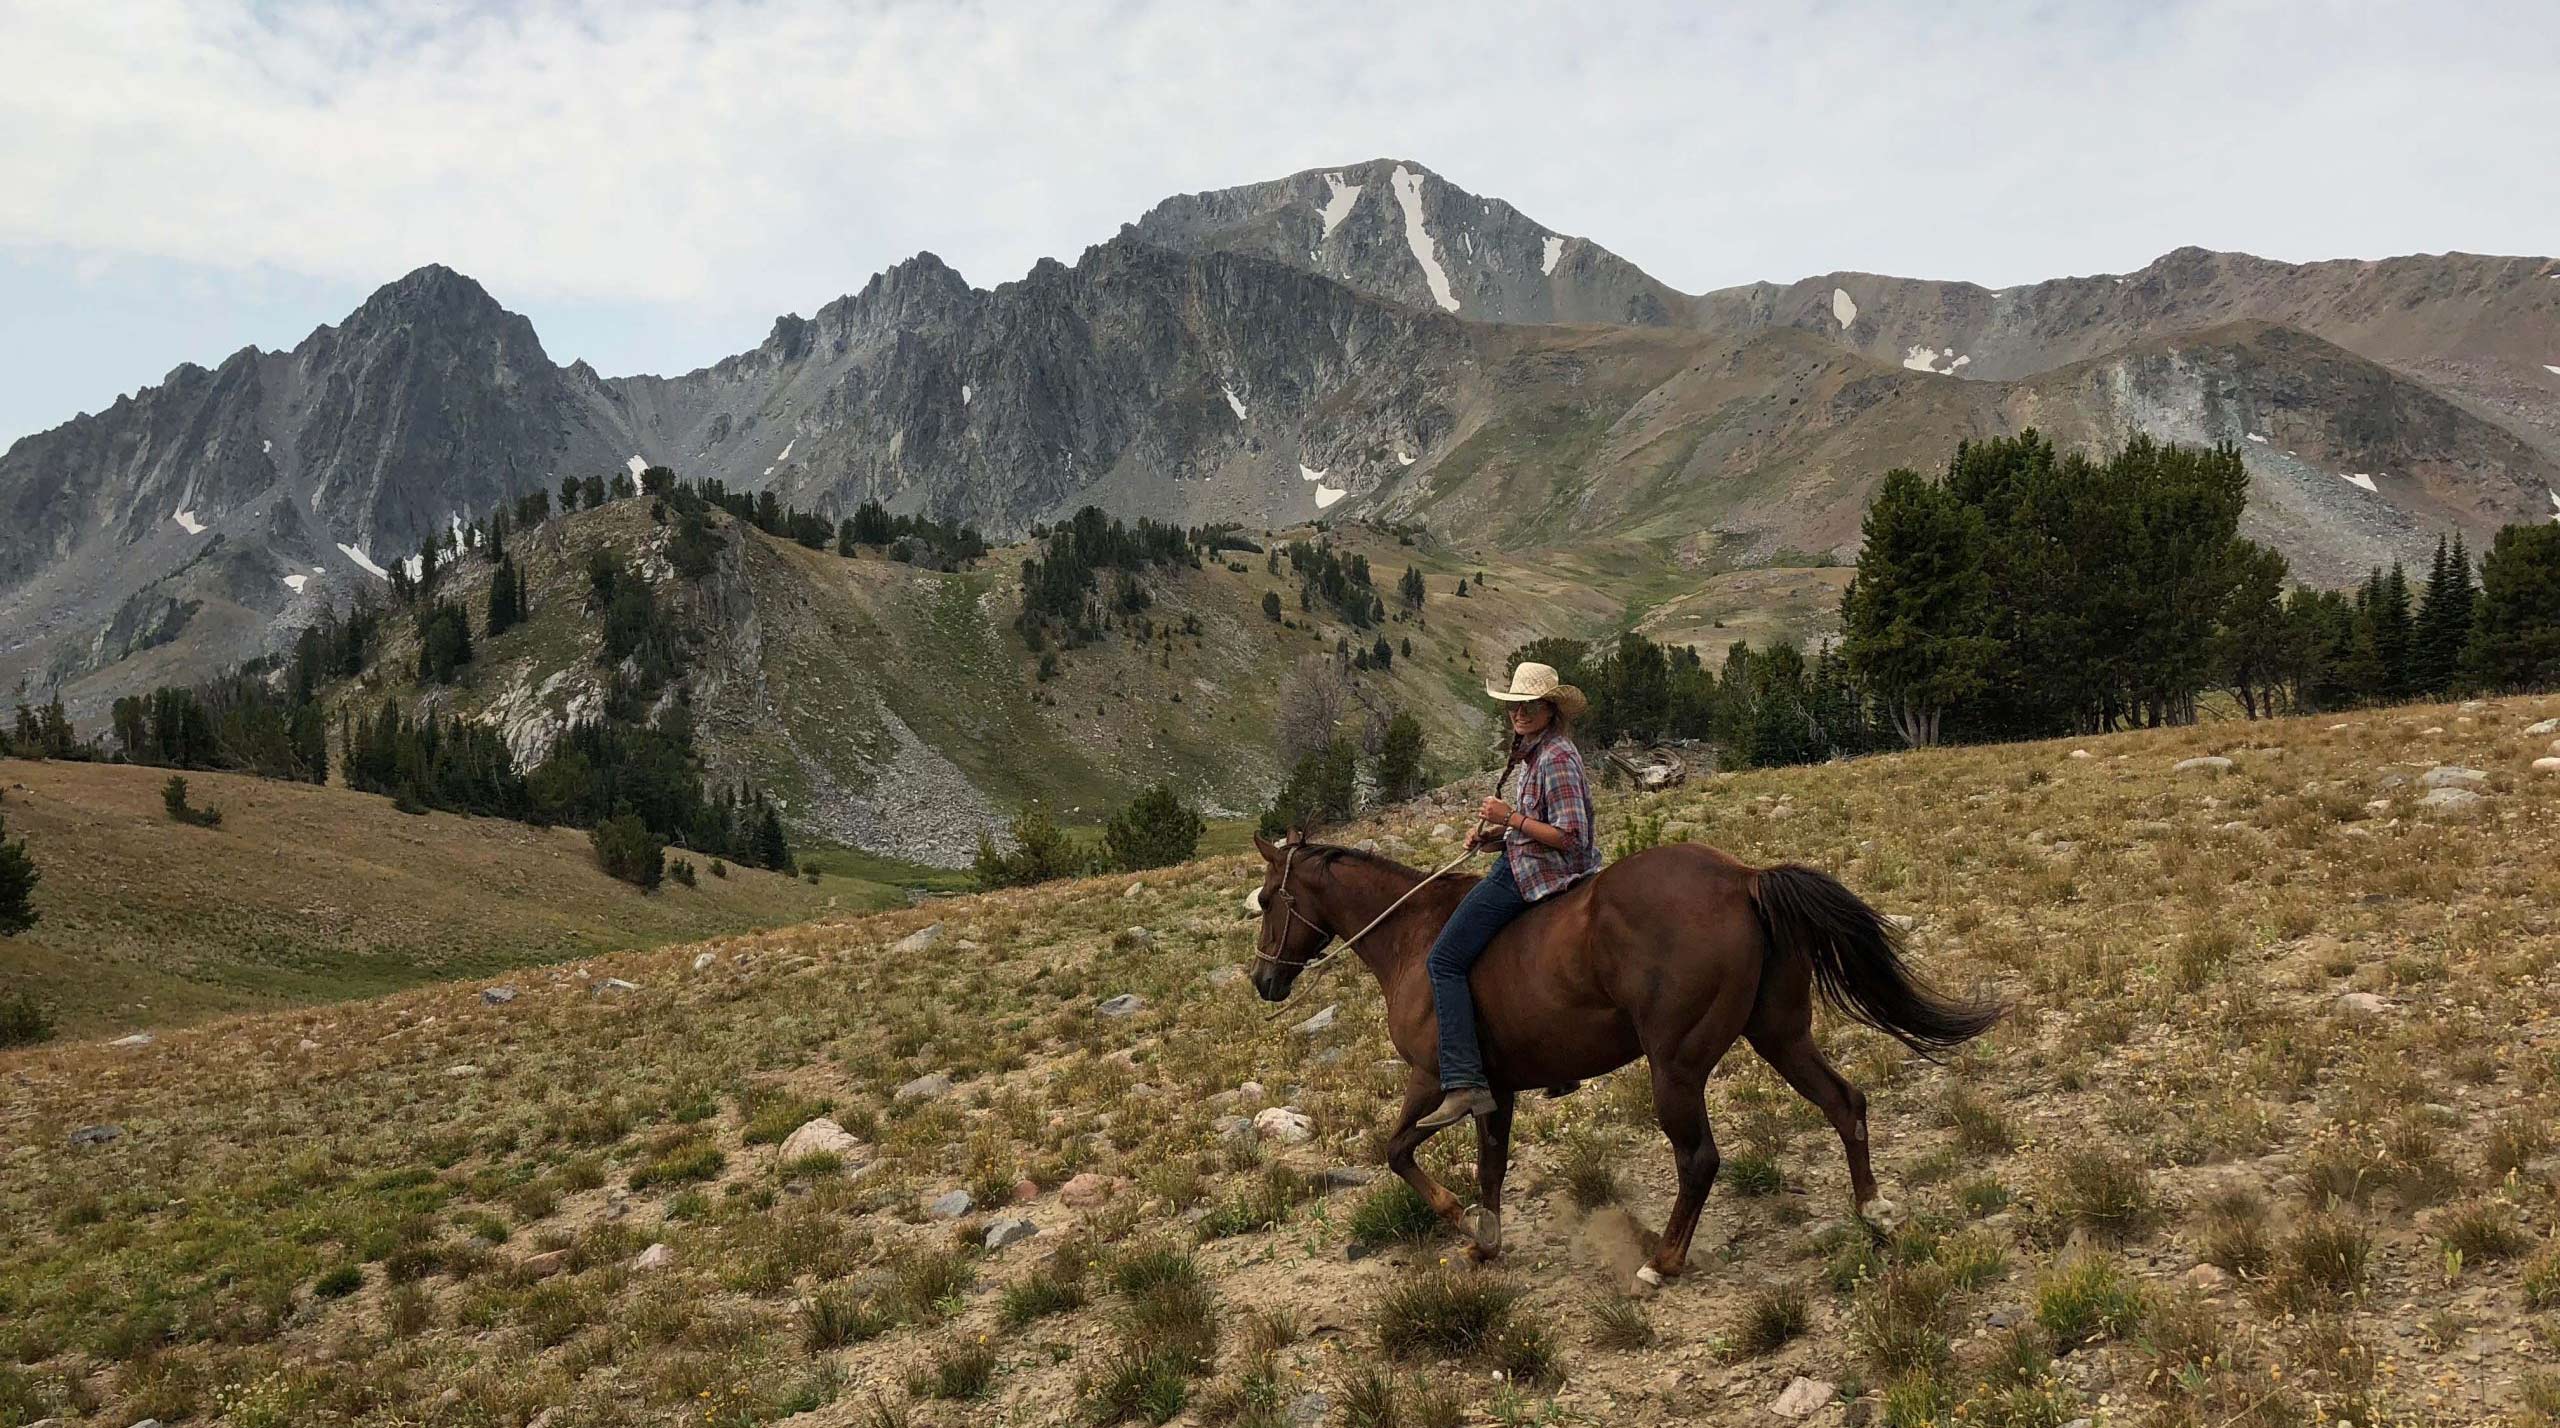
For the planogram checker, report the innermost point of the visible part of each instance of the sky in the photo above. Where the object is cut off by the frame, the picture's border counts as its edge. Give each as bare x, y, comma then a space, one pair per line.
653, 183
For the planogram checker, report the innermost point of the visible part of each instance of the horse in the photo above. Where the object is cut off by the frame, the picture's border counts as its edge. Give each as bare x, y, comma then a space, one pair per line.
1669, 954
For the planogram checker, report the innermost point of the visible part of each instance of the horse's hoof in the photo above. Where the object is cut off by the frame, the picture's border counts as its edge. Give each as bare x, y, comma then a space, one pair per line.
1648, 1281
1479, 1252
1488, 1234
1883, 1217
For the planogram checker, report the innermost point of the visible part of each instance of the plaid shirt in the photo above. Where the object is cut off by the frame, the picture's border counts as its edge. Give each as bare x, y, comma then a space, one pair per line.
1553, 790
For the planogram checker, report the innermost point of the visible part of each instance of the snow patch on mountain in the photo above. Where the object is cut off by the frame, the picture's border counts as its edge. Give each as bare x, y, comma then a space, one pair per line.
360, 558
266, 446
1337, 207
1403, 459
1327, 495
786, 451
2253, 436
1922, 359
1555, 250
637, 466
1408, 188
187, 522
1309, 473
2361, 479
2554, 371
1843, 307
965, 394
1234, 402
295, 583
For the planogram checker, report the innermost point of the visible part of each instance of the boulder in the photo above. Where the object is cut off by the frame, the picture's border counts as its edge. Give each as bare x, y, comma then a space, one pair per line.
654, 1257
1137, 937
1318, 1024
1232, 1128
2208, 764
1125, 1004
2362, 1003
497, 996
703, 960
1801, 1397
2547, 765
1135, 888
2547, 726
2452, 803
2205, 1278
951, 1206
1025, 1190
925, 1088
2454, 776
918, 941
1087, 1191
139, 1038
96, 1135
546, 1264
1011, 1230
2082, 754
1285, 1124
1443, 832
1309, 1409
821, 1136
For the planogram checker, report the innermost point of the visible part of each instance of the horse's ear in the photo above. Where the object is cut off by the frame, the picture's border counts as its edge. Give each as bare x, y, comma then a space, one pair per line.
1263, 846
1297, 837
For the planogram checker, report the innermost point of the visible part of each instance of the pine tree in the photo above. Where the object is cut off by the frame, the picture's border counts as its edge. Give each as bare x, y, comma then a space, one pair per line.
18, 879
2436, 652
1271, 605
570, 489
1400, 758
2515, 633
506, 598
772, 849
594, 492
2394, 635
1918, 613
1156, 830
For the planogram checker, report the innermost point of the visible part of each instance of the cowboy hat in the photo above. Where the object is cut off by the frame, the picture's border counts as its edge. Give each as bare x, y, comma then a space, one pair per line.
1533, 681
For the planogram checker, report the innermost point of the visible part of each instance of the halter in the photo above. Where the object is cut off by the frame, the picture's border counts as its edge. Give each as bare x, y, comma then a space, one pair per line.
1289, 904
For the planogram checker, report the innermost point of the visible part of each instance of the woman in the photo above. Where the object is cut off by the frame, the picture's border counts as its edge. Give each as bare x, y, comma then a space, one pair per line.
1546, 846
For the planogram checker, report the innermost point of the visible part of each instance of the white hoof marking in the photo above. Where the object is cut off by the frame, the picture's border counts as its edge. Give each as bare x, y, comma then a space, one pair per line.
1647, 1277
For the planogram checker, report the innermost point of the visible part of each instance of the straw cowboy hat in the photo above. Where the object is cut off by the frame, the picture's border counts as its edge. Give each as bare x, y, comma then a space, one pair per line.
1540, 681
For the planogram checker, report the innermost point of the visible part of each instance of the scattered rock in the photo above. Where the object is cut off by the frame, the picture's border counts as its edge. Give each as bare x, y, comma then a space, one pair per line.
1009, 1231
2210, 763
951, 1206
1285, 1124
654, 1257
1135, 888
1232, 1128
1087, 1191
1902, 921
616, 984
925, 1088
139, 1038
497, 996
1025, 1190
546, 1264
2547, 726
1443, 832
2004, 1316
921, 940
1348, 1177
1802, 1397
1309, 1408
1226, 976
2362, 1003
306, 1044
2452, 803
2431, 729
703, 960
2334, 728
821, 1136
1367, 845
1318, 1024
1125, 1004
2454, 776
2547, 765
465, 1069
2082, 754
96, 1135
1136, 937
2470, 706
2205, 1278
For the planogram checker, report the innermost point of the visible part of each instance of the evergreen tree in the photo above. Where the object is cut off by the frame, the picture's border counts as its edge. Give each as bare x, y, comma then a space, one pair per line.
1042, 851
2253, 639
444, 643
1271, 606
495, 548
570, 490
626, 849
2392, 630
593, 490
1155, 830
506, 598
1399, 768
1410, 589
18, 879
1917, 615
2515, 632
2444, 621
773, 851
1322, 788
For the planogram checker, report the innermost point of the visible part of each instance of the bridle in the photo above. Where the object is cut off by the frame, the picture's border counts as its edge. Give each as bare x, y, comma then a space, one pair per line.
1288, 901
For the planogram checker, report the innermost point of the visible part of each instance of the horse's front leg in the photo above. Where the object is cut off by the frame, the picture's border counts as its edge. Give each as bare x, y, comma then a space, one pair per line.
1493, 1159
1421, 1093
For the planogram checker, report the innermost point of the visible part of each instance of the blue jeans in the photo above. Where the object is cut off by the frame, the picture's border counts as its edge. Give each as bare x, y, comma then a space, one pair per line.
1484, 911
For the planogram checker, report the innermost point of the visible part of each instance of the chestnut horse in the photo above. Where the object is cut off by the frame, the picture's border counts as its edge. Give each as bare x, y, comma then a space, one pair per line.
1669, 954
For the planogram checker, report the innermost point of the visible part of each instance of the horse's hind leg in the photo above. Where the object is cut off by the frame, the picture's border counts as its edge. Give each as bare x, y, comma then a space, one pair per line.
1493, 1159
1795, 1057
1680, 1104
1421, 1093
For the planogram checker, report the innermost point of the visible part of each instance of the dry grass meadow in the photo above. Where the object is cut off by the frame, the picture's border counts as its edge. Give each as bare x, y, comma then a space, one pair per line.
2268, 1140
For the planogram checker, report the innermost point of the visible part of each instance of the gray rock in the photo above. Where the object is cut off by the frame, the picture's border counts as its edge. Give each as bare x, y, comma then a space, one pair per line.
919, 941
306, 1044
2210, 763
1125, 1004
821, 1136
616, 984
1309, 1408
1318, 1024
2362, 1003
1285, 1124
96, 1135
925, 1088
2547, 726
497, 996
139, 1038
1226, 976
1443, 832
1009, 1231
1232, 1128
654, 1257
1348, 1177
2454, 776
703, 960
464, 1069
2452, 804
1139, 936
951, 1206
1802, 1397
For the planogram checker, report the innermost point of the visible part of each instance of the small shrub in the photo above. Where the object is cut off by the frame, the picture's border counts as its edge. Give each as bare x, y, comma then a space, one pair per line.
340, 1282
1618, 1322
2235, 1237
173, 797
923, 1286
1590, 1174
964, 1371
2515, 1140
1979, 1126
24, 1021
2088, 1301
681, 1165
1391, 1214
682, 871
1452, 1313
1524, 1353
1902, 1317
627, 850
2322, 1260
2106, 1193
1753, 1174
719, 869
1051, 1290
2542, 1279
2483, 1231
835, 1318
771, 1119
1151, 1389
1982, 1196
1771, 1319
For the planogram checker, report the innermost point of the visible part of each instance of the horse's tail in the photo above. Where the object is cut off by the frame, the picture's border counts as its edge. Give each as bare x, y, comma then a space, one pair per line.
1857, 961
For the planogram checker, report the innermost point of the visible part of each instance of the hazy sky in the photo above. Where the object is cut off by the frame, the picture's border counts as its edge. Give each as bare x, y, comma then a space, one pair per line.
653, 182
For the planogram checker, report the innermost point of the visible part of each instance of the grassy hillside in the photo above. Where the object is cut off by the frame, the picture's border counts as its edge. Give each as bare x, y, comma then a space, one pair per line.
2267, 1140
312, 894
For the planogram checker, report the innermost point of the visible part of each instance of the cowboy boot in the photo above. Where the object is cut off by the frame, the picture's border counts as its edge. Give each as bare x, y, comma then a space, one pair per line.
1456, 1106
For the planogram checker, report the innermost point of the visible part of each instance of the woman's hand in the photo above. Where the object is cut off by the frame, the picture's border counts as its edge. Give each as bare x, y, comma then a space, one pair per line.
1495, 812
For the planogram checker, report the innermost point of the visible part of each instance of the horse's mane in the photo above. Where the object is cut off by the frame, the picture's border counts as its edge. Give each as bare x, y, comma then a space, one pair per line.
1331, 852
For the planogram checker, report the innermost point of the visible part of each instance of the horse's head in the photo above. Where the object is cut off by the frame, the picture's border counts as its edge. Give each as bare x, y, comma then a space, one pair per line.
1284, 944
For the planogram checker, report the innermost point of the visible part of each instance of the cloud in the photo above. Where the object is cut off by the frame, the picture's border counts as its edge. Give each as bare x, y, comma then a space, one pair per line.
732, 157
